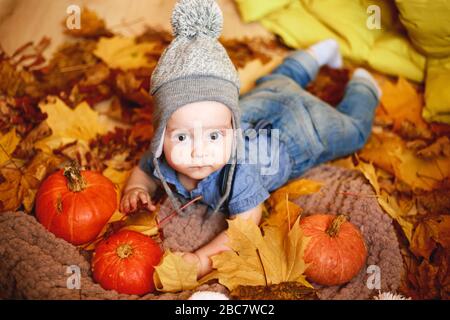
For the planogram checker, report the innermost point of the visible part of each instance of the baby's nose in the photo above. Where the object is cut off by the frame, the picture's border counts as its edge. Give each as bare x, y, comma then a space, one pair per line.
198, 149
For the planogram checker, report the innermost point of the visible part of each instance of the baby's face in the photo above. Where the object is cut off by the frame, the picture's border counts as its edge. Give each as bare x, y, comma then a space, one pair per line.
198, 138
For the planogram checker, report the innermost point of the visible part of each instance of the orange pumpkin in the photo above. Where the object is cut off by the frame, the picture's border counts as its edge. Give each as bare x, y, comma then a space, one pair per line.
125, 262
75, 205
336, 250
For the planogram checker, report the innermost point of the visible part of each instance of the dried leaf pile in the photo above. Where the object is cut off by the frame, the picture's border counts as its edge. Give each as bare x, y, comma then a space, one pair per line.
90, 102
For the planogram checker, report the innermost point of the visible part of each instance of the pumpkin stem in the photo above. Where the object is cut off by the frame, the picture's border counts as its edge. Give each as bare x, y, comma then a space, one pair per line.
75, 180
124, 251
335, 225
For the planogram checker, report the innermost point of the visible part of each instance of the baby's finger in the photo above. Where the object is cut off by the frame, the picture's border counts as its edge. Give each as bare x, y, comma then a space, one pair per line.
125, 205
143, 197
133, 202
148, 202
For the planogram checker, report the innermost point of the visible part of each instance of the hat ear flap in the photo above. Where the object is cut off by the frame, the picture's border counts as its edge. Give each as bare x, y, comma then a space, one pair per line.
161, 144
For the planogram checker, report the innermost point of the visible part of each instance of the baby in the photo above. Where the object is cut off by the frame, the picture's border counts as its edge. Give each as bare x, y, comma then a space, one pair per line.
205, 133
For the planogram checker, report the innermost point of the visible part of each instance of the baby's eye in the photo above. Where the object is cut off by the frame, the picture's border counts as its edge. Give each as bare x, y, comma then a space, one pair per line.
181, 137
215, 135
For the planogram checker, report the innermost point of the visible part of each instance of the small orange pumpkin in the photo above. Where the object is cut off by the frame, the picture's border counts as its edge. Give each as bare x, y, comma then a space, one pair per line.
126, 261
75, 205
336, 250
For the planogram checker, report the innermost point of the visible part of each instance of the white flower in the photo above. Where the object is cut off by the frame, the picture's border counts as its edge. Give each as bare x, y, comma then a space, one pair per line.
208, 295
389, 296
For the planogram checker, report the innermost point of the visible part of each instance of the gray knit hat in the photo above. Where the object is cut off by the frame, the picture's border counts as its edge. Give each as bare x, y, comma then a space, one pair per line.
194, 67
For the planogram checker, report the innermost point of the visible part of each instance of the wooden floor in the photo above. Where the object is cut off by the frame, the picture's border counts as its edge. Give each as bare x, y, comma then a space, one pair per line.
25, 20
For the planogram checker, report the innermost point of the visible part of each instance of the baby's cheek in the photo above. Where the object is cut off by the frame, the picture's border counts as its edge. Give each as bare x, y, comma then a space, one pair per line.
180, 154
219, 153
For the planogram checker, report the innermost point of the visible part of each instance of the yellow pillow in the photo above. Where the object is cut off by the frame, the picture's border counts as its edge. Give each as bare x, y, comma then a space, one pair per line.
394, 55
437, 93
252, 10
348, 21
296, 26
428, 24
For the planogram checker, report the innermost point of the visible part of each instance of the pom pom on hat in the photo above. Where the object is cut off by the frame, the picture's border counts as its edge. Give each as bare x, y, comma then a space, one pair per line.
191, 18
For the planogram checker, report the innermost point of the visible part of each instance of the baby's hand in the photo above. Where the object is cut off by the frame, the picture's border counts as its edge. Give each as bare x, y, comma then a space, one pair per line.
203, 263
130, 200
189, 257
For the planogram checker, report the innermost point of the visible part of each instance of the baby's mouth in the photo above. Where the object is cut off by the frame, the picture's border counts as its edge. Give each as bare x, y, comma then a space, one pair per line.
199, 167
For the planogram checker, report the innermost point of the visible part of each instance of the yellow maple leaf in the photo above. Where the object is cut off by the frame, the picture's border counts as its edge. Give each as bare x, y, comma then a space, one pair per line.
124, 53
297, 188
174, 274
387, 202
256, 259
368, 170
390, 205
81, 124
143, 221
118, 177
8, 143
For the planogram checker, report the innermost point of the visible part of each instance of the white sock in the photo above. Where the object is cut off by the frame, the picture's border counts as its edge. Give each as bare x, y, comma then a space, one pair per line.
327, 53
364, 74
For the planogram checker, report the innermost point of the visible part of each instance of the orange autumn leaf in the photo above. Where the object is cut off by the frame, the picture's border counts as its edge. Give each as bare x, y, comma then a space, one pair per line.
401, 101
142, 131
429, 233
405, 164
280, 206
441, 147
428, 279
22, 180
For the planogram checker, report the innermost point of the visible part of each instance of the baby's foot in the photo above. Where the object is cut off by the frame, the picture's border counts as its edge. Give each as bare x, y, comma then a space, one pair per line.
327, 53
364, 74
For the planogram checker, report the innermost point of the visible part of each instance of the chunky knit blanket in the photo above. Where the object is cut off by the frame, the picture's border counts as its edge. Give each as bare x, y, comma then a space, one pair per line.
34, 264
347, 192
